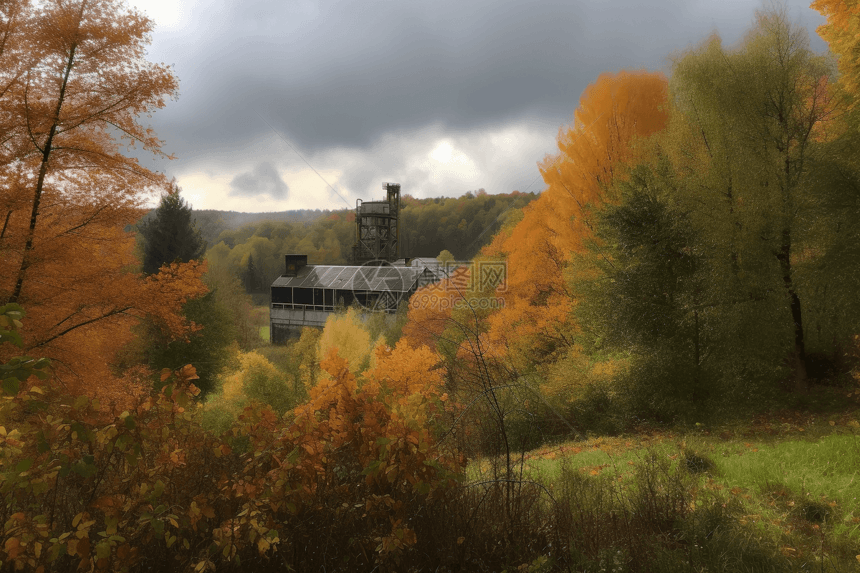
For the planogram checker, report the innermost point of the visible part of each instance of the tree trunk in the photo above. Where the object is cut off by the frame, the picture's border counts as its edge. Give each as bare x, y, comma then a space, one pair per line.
40, 182
799, 354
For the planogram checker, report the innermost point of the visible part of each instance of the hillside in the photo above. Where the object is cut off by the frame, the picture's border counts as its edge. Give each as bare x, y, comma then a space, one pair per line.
251, 245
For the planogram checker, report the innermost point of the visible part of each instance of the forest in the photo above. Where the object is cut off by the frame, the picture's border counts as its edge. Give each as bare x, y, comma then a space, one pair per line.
665, 377
254, 251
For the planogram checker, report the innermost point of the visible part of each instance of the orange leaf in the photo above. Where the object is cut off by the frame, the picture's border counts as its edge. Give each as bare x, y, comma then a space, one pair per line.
13, 547
84, 548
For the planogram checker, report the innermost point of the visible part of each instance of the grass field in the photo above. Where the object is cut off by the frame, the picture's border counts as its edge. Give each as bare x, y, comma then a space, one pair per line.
781, 495
260, 317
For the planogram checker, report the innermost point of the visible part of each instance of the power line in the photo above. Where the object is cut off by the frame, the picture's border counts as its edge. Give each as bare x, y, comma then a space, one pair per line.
303, 159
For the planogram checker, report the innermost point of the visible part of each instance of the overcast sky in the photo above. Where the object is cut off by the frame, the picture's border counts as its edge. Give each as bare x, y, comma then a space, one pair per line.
442, 97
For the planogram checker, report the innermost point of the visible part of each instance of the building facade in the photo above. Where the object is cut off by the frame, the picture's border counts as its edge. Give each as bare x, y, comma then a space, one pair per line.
305, 295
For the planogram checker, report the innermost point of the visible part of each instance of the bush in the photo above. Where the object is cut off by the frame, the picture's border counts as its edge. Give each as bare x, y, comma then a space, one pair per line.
151, 490
599, 411
254, 379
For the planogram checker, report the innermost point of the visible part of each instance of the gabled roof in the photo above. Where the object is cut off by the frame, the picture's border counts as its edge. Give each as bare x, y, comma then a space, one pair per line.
357, 278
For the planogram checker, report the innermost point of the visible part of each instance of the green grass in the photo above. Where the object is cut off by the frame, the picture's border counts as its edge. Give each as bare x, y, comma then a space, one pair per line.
260, 317
828, 466
825, 466
786, 496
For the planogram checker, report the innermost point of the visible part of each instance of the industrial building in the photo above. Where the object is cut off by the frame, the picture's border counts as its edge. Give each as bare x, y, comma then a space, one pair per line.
378, 280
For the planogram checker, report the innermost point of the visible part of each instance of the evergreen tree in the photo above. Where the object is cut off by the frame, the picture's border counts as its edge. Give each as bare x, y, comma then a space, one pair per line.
171, 235
206, 349
252, 279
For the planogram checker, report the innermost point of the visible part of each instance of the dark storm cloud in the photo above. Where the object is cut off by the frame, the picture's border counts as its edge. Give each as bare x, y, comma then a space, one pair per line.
343, 74
263, 180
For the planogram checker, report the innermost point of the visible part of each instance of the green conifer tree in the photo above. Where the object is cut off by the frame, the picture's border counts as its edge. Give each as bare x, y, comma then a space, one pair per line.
252, 279
171, 235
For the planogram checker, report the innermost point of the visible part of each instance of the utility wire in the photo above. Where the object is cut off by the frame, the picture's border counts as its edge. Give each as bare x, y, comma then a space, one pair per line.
282, 138
303, 159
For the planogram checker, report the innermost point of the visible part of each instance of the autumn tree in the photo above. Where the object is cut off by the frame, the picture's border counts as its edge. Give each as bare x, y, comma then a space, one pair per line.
485, 347
171, 236
251, 378
15, 58
613, 111
445, 257
746, 141
78, 81
347, 333
842, 33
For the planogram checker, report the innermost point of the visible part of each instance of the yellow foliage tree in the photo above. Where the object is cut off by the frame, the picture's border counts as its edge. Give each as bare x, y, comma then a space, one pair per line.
253, 379
347, 333
842, 33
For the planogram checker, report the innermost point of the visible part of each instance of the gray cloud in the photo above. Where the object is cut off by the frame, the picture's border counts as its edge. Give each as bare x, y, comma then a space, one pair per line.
263, 180
333, 75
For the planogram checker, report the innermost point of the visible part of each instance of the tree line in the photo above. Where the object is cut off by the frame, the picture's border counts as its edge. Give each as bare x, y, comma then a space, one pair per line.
695, 249
462, 225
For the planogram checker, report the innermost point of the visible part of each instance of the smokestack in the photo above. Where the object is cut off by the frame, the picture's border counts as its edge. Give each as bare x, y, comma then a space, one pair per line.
295, 264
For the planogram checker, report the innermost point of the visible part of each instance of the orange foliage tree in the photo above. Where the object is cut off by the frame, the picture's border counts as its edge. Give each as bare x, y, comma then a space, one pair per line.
842, 33
369, 440
430, 308
613, 111
151, 489
74, 83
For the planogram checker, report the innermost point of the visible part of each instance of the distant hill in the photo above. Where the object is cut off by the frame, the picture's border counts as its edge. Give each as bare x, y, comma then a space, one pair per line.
252, 245
212, 222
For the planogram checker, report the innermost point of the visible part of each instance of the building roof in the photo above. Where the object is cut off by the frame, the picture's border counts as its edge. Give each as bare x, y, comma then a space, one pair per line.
428, 262
357, 278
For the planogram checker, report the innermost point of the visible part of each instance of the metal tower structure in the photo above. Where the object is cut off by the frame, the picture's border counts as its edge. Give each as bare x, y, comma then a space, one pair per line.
377, 228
